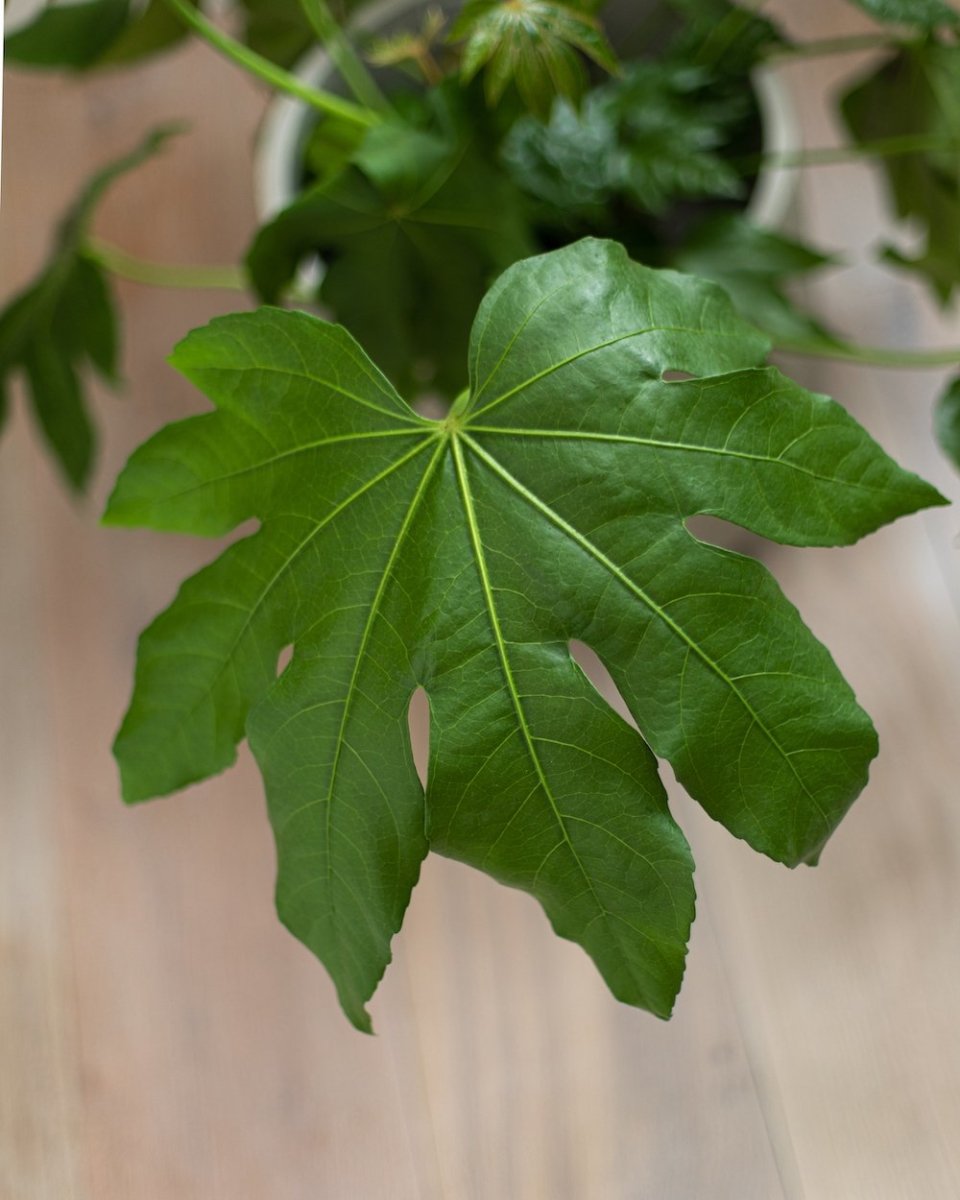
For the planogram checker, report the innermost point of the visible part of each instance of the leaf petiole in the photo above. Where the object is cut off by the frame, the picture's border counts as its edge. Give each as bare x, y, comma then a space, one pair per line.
349, 64
269, 72
168, 275
873, 356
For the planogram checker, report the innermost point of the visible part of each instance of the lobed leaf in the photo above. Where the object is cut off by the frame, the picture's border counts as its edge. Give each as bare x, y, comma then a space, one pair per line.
534, 44
63, 322
411, 234
915, 94
463, 556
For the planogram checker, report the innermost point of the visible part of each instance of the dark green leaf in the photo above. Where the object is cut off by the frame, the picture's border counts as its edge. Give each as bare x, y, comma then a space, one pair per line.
69, 35
65, 321
155, 29
753, 266
96, 33
412, 236
947, 422
926, 14
648, 137
916, 93
535, 44
277, 29
463, 556
722, 36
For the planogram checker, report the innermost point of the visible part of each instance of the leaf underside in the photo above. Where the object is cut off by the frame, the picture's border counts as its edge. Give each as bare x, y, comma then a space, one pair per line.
463, 556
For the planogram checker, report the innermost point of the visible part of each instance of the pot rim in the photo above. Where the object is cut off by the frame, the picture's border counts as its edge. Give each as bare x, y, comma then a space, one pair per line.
282, 132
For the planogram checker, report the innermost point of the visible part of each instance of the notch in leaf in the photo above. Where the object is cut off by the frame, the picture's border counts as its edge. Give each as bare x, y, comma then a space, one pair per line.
463, 556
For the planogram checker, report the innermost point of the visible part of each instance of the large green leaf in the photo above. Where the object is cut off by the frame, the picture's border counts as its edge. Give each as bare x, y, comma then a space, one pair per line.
463, 556
63, 322
915, 95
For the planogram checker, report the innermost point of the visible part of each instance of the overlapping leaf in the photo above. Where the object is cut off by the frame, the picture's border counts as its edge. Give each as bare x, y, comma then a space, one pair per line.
463, 556
63, 322
915, 95
411, 233
648, 138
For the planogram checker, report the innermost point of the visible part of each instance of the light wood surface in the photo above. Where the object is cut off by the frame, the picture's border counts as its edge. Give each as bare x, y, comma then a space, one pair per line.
162, 1037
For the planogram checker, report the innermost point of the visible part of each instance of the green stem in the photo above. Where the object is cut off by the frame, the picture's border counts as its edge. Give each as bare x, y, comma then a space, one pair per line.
168, 275
826, 156
351, 67
264, 69
852, 44
873, 356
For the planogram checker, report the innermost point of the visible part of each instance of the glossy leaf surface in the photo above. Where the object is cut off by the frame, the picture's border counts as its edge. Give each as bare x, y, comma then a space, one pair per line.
463, 556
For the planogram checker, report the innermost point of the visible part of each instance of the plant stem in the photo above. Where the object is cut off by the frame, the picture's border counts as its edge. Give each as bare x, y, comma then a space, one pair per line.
168, 275
873, 356
825, 156
264, 69
839, 45
351, 67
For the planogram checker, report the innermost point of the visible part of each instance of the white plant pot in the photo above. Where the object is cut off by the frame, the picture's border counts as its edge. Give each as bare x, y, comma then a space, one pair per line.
286, 124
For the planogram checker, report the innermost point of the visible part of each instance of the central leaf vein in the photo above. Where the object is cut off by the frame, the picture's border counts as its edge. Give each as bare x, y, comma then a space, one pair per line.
598, 555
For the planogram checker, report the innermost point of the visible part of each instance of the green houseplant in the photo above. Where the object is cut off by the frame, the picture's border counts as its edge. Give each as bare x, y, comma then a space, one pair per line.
473, 227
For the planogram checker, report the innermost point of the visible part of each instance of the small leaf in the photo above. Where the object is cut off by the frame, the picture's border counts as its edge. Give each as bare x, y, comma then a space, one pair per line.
64, 321
925, 14
947, 422
463, 556
651, 137
532, 43
916, 94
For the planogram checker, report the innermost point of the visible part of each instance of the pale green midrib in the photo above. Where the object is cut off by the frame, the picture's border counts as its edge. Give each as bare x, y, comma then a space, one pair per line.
655, 444
287, 373
511, 342
385, 578
485, 583
596, 553
215, 480
291, 559
595, 349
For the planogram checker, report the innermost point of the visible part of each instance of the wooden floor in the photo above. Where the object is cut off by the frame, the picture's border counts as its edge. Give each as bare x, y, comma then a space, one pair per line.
162, 1038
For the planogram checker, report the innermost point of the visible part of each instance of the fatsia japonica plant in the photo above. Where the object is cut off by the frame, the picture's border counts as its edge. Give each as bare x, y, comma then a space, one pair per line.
530, 221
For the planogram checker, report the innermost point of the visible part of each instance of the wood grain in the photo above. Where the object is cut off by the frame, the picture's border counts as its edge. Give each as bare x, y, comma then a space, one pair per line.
162, 1037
